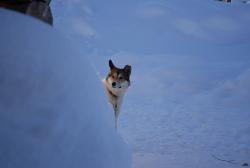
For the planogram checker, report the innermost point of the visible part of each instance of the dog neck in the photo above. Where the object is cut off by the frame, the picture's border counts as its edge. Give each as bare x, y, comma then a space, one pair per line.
115, 98
111, 93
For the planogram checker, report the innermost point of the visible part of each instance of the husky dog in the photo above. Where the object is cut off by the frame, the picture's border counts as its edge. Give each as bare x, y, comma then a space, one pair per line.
116, 84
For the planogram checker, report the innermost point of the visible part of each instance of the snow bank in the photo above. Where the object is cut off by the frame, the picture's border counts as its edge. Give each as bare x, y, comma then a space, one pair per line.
53, 110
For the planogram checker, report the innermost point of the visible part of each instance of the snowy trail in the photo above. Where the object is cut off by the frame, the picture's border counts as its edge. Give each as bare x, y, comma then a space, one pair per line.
172, 124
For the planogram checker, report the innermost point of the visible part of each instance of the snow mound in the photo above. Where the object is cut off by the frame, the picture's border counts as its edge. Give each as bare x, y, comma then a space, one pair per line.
53, 110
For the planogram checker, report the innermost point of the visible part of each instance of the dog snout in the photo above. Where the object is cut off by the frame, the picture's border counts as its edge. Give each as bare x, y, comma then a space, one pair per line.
113, 84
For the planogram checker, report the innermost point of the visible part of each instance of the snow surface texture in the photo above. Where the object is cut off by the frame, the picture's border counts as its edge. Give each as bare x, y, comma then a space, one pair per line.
53, 110
190, 92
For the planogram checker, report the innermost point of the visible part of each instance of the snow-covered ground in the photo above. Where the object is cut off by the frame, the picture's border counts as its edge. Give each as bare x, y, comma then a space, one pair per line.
53, 109
190, 92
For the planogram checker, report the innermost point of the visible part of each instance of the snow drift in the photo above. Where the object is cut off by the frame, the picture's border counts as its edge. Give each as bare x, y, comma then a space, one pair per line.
53, 109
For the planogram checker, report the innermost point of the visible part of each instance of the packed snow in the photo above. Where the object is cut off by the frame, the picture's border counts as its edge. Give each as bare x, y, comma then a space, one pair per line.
53, 109
189, 101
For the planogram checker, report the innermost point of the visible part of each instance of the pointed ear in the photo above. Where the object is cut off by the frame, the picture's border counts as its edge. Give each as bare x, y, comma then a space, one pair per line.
111, 65
127, 69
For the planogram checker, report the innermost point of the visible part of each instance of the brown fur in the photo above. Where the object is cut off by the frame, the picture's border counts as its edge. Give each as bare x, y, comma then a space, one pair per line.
119, 74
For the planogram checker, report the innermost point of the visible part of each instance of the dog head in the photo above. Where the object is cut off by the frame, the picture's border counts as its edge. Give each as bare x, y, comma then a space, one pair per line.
118, 79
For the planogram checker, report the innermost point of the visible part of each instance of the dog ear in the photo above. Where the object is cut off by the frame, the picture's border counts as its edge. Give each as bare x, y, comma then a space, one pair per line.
127, 69
111, 65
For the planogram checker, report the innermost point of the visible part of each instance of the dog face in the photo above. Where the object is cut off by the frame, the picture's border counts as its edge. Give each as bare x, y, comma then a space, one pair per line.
118, 80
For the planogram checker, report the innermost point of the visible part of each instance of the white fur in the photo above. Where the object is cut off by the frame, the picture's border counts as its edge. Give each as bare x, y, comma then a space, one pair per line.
119, 91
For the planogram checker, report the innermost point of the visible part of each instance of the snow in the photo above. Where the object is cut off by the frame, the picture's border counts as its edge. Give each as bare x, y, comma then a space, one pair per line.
190, 96
53, 108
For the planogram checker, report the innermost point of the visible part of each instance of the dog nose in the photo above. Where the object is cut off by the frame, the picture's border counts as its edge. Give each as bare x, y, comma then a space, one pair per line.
113, 84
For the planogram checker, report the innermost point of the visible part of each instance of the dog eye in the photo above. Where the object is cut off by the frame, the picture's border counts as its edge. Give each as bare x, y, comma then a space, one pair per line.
120, 78
113, 76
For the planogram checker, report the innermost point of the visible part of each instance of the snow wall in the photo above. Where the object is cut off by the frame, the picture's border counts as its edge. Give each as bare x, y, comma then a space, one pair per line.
53, 108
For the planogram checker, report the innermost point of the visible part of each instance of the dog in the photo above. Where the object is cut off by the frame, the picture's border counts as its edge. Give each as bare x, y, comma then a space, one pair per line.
116, 84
